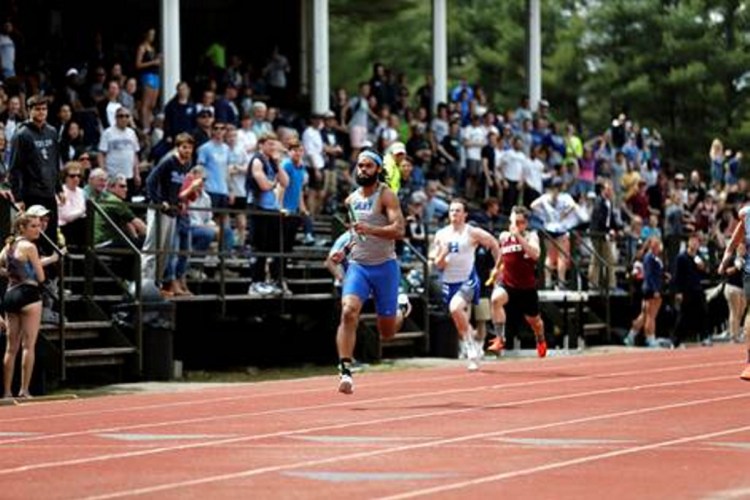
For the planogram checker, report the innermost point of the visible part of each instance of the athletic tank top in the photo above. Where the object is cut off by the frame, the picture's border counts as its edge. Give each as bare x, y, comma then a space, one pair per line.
148, 56
461, 254
370, 250
519, 271
19, 271
262, 199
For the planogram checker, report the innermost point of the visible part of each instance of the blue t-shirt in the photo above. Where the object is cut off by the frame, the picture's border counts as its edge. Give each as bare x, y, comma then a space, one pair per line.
215, 158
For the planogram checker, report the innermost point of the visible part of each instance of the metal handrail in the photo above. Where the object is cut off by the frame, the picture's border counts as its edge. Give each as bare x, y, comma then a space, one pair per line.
91, 208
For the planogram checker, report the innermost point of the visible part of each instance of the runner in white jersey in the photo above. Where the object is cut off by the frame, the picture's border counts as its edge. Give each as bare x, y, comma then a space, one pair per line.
741, 235
373, 268
453, 253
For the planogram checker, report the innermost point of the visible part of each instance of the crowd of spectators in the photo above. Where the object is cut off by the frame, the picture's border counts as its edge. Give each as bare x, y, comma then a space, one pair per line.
597, 195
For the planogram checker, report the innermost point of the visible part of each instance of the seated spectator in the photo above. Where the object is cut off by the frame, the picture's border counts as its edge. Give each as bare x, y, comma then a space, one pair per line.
96, 185
203, 228
71, 207
112, 202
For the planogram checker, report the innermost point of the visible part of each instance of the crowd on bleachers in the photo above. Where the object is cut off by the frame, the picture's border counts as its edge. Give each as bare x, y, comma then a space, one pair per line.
597, 197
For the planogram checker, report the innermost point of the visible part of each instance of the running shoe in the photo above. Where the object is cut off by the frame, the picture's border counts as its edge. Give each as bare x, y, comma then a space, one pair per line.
541, 348
497, 345
473, 353
745, 375
346, 384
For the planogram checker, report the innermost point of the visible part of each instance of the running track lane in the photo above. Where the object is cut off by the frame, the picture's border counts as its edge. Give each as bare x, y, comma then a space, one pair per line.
607, 423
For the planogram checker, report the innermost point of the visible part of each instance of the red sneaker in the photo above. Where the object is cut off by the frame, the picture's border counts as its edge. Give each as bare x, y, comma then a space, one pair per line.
745, 375
541, 348
496, 346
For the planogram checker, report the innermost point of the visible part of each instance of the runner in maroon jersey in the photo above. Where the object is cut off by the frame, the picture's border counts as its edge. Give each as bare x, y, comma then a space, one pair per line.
516, 284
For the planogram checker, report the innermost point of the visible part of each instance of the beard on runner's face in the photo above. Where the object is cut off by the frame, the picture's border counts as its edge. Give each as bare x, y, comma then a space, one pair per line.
366, 180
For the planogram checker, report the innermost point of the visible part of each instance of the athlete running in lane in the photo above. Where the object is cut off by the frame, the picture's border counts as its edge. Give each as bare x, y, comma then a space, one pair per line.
453, 253
515, 285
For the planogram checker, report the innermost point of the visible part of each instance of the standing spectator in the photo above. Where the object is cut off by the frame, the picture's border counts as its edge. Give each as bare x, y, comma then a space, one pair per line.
604, 227
312, 141
263, 177
118, 150
716, 162
163, 186
226, 106
35, 164
293, 198
148, 64
690, 300
360, 115
555, 209
179, 113
474, 139
239, 160
108, 107
276, 72
214, 156
653, 275
512, 166
7, 50
12, 117
22, 301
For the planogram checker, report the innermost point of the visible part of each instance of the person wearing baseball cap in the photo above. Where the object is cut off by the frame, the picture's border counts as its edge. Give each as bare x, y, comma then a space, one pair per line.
392, 165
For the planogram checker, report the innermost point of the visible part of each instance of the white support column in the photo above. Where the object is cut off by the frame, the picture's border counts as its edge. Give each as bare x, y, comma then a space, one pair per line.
535, 53
170, 43
439, 52
304, 55
321, 91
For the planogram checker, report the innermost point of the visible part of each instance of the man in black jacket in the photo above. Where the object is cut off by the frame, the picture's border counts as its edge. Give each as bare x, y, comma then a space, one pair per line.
604, 226
689, 297
35, 164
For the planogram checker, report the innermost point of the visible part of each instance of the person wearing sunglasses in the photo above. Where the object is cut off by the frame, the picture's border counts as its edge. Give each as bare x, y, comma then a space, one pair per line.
118, 151
72, 209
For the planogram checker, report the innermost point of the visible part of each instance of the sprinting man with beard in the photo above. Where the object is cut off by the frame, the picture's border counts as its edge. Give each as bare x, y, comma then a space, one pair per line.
373, 269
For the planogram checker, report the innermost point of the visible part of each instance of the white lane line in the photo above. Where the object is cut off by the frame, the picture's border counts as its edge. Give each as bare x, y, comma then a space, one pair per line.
345, 402
565, 463
348, 425
418, 378
441, 442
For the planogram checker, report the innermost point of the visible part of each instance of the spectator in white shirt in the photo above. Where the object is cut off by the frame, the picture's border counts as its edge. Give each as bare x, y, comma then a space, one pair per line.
312, 143
71, 207
512, 164
118, 151
474, 139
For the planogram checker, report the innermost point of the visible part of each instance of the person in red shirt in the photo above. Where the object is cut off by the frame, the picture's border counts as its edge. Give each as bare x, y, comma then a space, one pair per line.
515, 280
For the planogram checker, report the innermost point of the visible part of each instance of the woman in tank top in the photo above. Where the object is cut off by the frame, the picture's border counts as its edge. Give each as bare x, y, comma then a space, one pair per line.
23, 300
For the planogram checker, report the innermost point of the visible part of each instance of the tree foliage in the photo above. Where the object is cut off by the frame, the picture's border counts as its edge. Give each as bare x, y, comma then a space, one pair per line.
679, 66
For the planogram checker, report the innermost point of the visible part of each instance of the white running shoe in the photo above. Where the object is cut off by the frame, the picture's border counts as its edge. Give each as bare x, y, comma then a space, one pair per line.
346, 384
472, 366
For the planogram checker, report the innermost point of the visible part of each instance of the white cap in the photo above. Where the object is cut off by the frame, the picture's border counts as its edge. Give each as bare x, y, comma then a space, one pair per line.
72, 72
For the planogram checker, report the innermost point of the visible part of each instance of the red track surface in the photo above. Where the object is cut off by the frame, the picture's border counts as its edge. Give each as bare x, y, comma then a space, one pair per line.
645, 424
